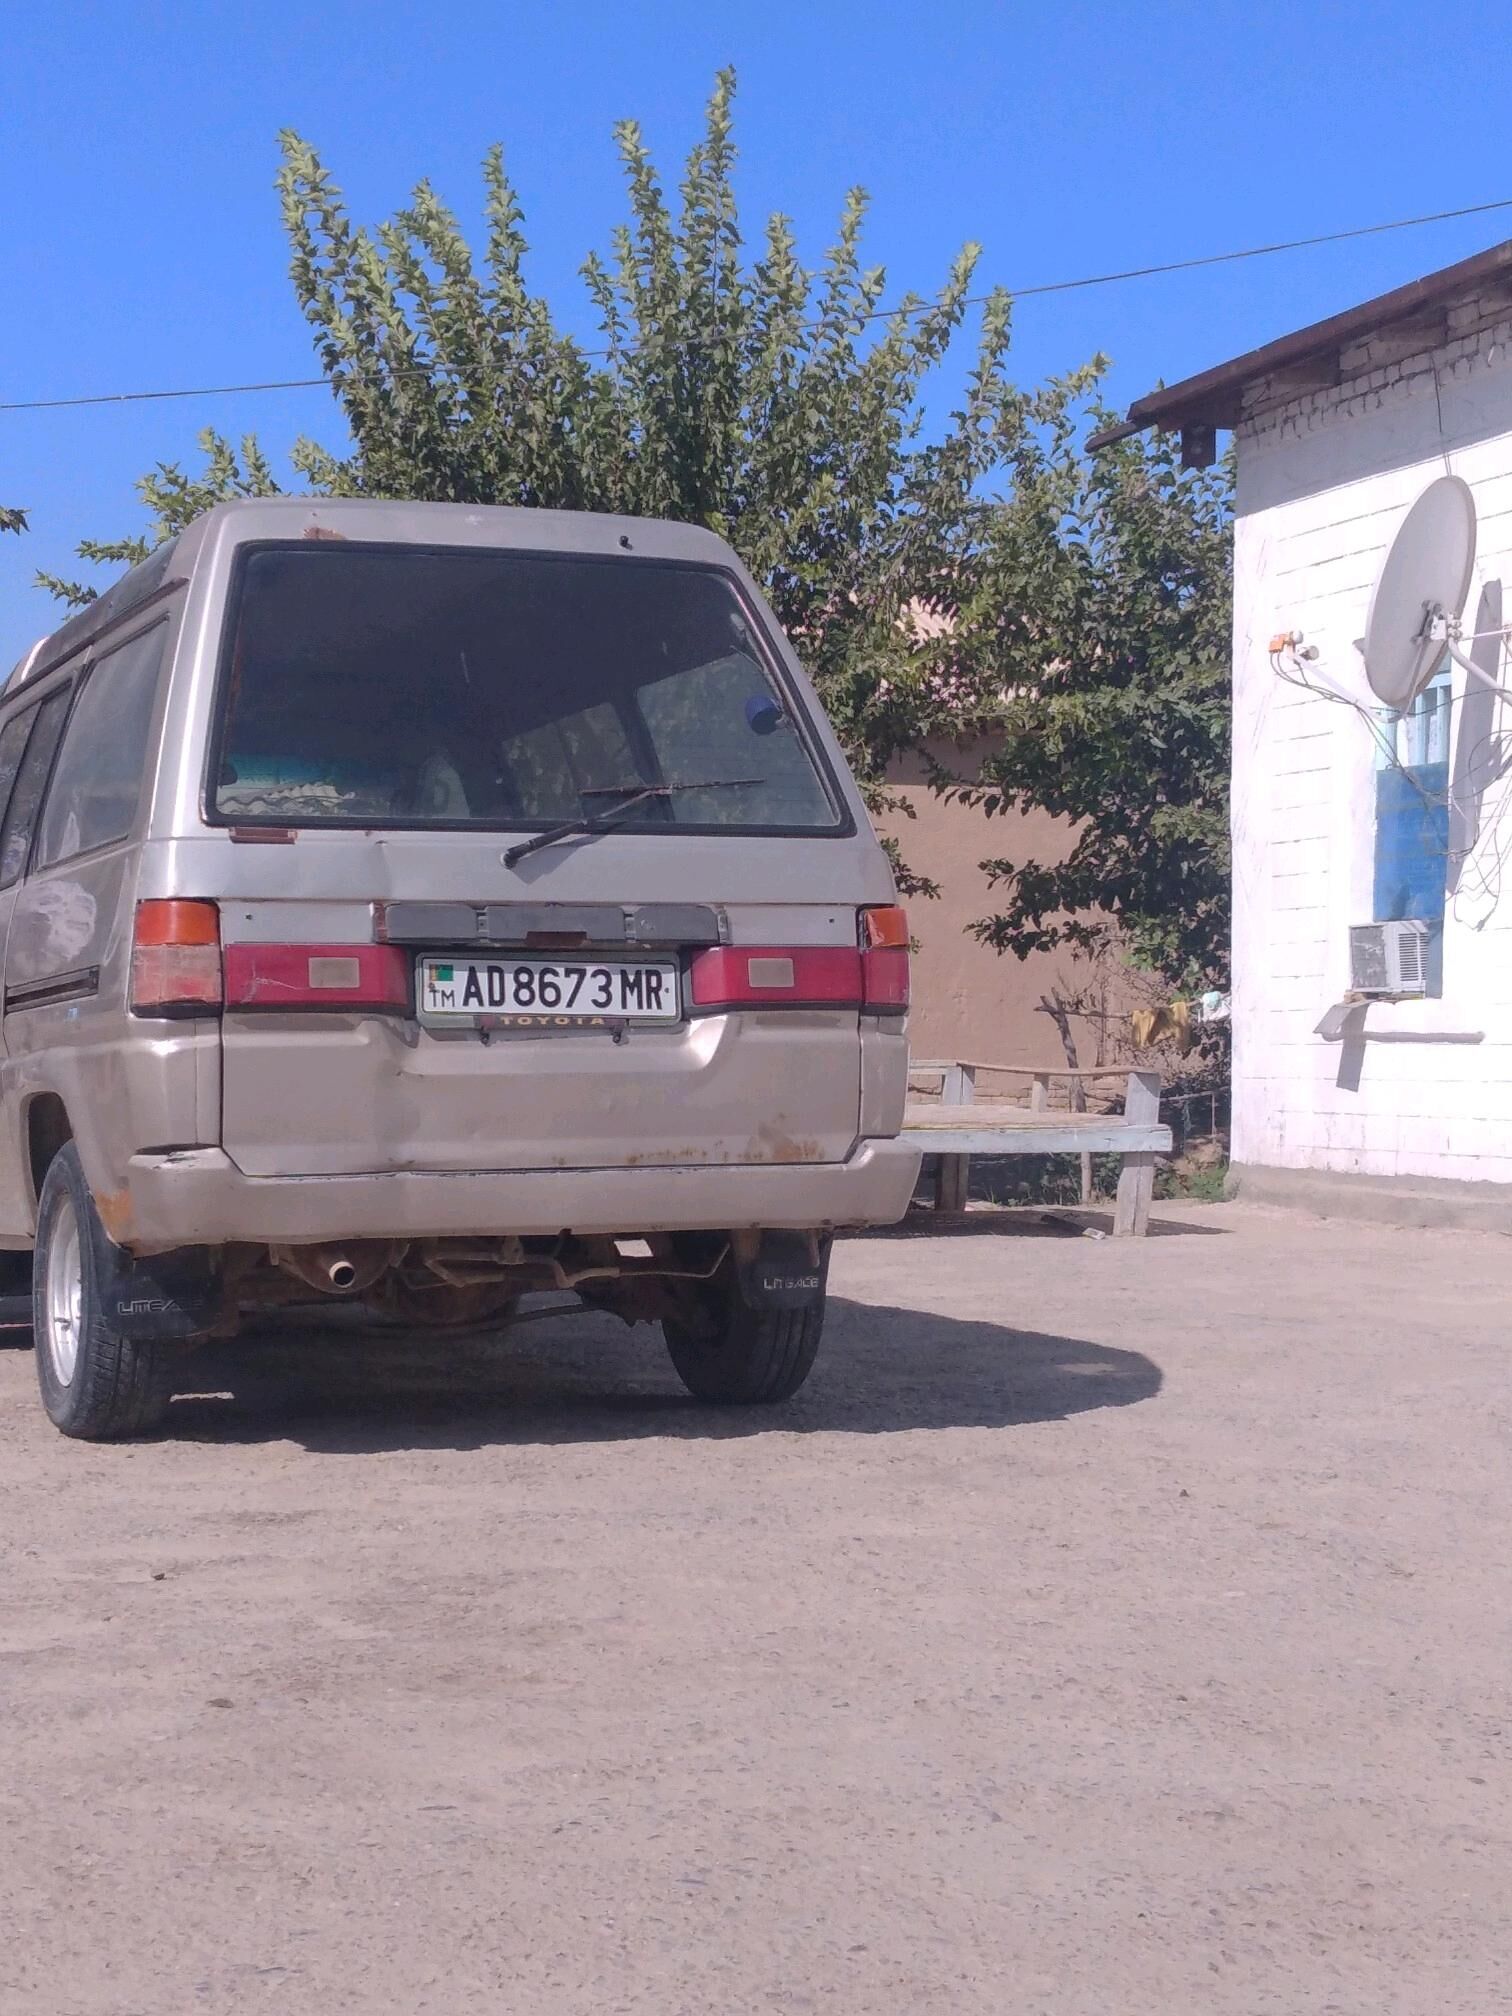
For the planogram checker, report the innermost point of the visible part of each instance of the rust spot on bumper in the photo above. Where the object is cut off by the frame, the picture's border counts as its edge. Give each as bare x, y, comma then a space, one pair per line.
114, 1207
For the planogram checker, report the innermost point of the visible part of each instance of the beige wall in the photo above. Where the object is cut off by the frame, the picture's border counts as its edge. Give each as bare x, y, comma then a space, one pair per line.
969, 1001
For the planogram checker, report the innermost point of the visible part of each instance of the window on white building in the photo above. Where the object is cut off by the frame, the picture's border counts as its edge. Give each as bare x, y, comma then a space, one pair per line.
1412, 815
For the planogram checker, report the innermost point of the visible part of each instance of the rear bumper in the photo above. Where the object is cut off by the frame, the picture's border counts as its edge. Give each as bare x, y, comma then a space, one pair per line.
198, 1197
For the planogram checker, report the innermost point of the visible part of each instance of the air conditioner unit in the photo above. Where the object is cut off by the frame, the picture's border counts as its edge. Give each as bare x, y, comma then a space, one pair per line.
1389, 959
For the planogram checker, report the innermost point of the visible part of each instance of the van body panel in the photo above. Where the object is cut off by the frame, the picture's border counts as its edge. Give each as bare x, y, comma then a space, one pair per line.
66, 956
199, 1195
884, 1075
119, 1096
835, 875
311, 1095
373, 1095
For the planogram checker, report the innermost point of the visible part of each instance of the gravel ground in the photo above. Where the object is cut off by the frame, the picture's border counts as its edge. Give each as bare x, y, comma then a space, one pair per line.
1109, 1627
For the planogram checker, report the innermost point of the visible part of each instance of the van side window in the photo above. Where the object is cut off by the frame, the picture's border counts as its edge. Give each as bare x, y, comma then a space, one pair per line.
31, 782
95, 789
12, 747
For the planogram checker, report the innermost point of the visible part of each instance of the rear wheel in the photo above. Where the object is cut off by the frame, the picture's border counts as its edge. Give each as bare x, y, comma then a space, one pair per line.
95, 1383
739, 1356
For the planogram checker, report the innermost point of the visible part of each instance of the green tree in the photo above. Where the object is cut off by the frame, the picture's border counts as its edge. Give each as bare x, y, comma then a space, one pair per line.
12, 520
173, 498
1091, 650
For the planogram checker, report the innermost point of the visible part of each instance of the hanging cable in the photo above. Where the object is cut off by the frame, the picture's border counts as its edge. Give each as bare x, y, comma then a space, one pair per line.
1484, 859
869, 315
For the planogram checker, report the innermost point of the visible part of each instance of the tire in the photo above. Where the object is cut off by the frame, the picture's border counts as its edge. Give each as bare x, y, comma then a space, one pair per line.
95, 1384
746, 1357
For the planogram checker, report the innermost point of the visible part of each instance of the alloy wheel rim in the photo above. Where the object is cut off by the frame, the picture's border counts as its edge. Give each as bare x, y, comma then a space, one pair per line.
64, 1294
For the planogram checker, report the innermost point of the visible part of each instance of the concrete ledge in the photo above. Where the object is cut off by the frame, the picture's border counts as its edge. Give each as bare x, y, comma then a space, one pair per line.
1433, 1202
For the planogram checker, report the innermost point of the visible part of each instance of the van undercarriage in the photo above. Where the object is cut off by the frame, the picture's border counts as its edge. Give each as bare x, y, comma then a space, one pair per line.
449, 1283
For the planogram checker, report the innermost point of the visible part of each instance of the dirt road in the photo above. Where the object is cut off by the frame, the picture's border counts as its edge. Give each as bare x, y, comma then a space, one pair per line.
1111, 1628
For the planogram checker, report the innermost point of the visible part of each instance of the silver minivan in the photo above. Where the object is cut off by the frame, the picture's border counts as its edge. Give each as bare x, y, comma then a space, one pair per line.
428, 906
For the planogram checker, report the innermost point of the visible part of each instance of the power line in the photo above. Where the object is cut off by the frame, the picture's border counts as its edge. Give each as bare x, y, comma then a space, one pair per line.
1264, 251
871, 315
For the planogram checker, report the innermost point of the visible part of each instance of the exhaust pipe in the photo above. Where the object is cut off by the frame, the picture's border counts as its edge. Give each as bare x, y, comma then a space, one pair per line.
339, 1270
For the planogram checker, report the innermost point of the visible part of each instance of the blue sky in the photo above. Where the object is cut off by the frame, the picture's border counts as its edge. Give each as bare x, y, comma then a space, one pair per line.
140, 245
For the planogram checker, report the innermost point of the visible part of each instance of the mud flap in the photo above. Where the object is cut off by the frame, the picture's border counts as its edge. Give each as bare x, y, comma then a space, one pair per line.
788, 1271
174, 1297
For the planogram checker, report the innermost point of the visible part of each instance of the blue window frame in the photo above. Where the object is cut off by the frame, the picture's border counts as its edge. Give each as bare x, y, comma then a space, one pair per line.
1412, 808
1412, 817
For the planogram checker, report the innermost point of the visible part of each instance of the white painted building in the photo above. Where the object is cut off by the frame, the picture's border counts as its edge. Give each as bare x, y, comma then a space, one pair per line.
1407, 1110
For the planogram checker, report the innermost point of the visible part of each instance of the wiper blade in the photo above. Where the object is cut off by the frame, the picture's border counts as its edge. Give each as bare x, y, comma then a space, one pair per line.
665, 790
600, 822
597, 823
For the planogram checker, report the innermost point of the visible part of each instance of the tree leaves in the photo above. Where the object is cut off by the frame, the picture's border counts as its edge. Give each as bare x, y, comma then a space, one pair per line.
1098, 609
173, 499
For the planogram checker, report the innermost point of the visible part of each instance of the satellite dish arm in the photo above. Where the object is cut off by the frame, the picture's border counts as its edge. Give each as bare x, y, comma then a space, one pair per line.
1468, 665
1441, 628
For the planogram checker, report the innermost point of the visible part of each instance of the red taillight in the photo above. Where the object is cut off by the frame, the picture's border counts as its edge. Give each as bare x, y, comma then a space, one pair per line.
176, 958
884, 958
763, 976
874, 975
375, 977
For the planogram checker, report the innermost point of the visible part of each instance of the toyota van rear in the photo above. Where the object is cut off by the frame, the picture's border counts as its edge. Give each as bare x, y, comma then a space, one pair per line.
432, 907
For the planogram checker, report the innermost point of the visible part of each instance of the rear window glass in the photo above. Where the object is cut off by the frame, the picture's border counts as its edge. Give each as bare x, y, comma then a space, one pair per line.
391, 685
93, 796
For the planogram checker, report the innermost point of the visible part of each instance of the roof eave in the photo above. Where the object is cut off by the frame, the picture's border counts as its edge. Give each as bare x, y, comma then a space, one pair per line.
1306, 358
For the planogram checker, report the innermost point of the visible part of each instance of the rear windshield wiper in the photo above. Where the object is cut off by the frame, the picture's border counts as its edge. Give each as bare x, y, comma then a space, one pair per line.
601, 822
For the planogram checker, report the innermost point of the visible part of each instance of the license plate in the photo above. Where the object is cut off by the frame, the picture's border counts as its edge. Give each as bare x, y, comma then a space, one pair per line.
549, 993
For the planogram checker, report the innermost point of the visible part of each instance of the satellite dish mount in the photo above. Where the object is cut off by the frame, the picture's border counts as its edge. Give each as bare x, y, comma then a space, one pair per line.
1419, 598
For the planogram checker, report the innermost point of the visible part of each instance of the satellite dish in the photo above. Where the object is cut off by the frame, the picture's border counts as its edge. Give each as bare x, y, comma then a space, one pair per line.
1425, 575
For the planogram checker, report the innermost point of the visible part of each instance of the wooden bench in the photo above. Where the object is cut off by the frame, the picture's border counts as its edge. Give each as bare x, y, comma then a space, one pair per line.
955, 1128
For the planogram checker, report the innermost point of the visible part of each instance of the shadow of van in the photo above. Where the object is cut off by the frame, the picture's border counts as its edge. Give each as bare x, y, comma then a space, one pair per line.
345, 1388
